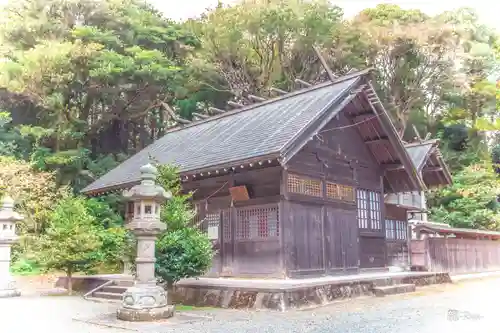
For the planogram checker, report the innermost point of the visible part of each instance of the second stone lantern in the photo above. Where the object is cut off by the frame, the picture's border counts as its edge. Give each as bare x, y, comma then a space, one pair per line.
146, 301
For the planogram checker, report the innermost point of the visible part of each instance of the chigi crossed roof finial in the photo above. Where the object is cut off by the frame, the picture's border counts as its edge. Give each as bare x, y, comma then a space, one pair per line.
250, 98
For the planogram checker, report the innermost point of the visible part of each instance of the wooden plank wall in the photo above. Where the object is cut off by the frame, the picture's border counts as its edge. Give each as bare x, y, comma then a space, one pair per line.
322, 236
456, 255
398, 250
303, 241
242, 247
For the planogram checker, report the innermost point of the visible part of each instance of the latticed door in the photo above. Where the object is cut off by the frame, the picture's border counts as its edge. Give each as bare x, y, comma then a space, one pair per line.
227, 245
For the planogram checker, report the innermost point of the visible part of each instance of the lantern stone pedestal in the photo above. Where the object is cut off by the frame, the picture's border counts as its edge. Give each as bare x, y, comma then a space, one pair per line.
8, 219
146, 301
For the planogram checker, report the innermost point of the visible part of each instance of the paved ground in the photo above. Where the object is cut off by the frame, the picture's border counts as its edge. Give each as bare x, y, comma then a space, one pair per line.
466, 307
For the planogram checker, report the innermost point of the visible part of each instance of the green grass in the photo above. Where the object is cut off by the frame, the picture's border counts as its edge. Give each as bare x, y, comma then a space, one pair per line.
180, 307
34, 272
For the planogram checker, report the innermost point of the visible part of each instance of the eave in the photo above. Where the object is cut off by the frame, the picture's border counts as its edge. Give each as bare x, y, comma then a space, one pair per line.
205, 173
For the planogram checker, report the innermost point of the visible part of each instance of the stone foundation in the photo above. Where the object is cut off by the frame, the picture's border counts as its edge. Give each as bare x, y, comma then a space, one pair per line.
281, 300
298, 296
152, 314
4, 293
273, 294
81, 284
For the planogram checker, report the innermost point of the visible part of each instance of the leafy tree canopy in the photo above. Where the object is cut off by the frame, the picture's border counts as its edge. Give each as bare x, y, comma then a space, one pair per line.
472, 200
75, 240
183, 250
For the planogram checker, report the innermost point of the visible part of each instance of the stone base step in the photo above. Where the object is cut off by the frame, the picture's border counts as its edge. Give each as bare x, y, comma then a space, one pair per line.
107, 295
103, 300
114, 289
394, 289
123, 283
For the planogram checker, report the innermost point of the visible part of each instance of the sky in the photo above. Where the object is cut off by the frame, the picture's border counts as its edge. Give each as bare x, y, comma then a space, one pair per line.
487, 10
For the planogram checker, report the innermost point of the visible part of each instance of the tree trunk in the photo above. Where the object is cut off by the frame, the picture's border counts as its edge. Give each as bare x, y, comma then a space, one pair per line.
170, 292
69, 276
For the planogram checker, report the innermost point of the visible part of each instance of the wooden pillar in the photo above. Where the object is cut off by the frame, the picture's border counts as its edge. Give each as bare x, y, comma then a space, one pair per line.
382, 220
283, 222
233, 222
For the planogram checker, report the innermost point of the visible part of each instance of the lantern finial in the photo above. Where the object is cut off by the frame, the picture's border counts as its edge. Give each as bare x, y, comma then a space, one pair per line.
148, 171
7, 203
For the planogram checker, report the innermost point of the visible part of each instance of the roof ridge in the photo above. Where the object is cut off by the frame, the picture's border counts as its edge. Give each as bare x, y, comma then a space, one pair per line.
421, 143
273, 100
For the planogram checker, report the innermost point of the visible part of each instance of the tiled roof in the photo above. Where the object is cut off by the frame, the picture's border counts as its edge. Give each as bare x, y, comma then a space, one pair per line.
448, 229
259, 130
419, 152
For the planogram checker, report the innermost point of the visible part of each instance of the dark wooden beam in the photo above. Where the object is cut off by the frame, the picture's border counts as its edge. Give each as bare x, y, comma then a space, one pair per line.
391, 132
392, 167
174, 116
432, 169
358, 89
377, 140
417, 133
363, 116
327, 68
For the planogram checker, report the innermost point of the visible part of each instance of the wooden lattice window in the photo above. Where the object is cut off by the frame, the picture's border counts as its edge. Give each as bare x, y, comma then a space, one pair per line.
363, 216
258, 222
212, 222
396, 230
401, 230
390, 229
340, 192
226, 226
303, 185
375, 213
369, 210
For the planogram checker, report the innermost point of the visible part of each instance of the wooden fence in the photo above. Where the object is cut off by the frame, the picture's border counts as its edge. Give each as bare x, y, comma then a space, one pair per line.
455, 255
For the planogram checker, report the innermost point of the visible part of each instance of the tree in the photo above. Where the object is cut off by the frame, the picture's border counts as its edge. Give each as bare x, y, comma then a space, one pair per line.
183, 250
96, 71
77, 240
71, 240
182, 253
472, 200
35, 193
413, 55
255, 44
8, 145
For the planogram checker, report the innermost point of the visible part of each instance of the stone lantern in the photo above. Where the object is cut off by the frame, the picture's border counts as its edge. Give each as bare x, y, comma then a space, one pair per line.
8, 220
146, 301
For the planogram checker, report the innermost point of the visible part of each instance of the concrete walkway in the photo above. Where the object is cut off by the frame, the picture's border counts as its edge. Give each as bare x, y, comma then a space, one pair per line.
457, 308
474, 276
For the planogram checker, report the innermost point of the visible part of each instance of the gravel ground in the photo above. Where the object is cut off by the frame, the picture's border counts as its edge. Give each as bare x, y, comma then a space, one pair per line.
466, 307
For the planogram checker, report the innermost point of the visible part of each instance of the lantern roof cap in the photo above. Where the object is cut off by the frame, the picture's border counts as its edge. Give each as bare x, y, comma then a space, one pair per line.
7, 213
148, 189
148, 169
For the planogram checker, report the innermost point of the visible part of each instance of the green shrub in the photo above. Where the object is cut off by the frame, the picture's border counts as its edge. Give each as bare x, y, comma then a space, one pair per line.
24, 266
182, 254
